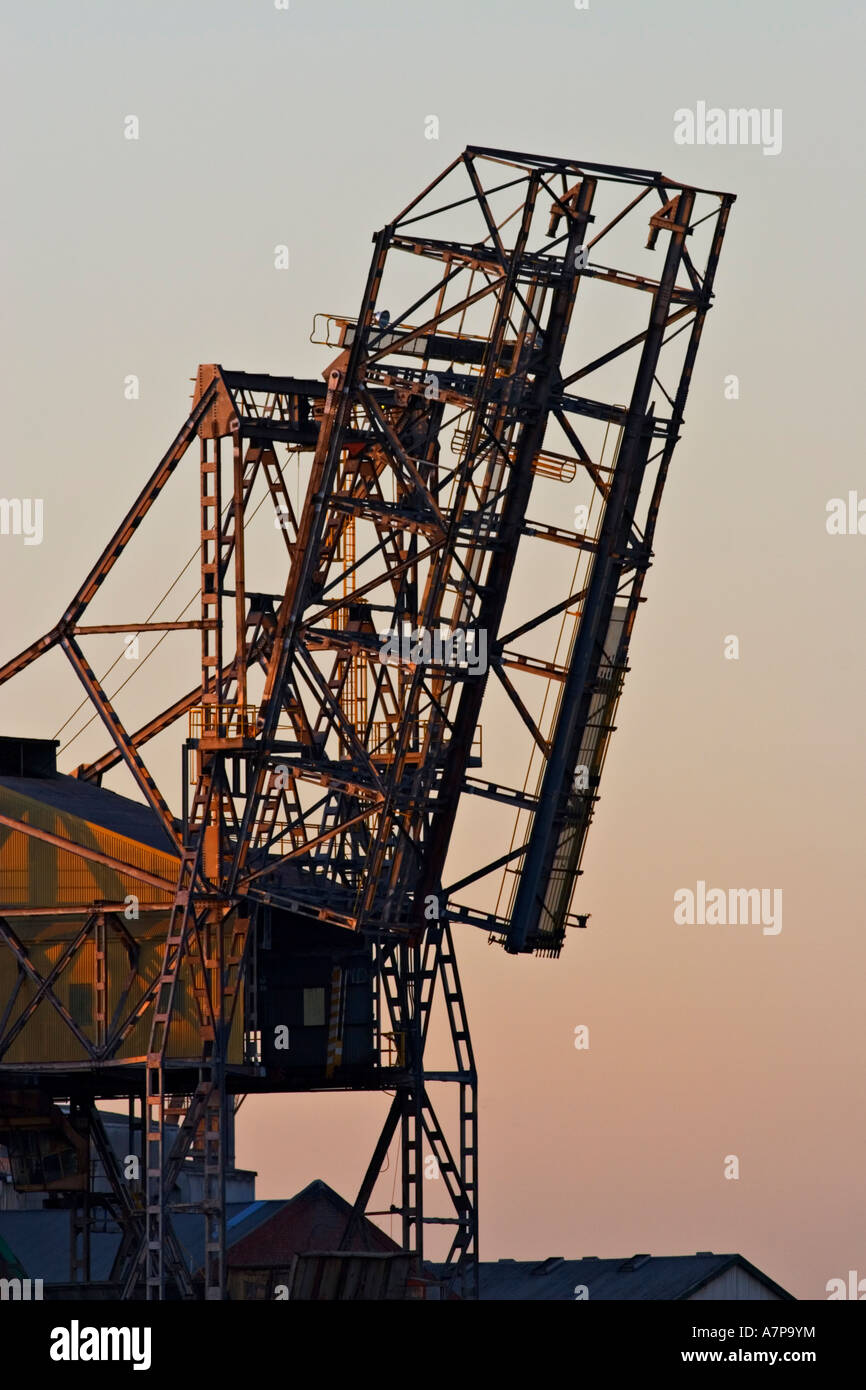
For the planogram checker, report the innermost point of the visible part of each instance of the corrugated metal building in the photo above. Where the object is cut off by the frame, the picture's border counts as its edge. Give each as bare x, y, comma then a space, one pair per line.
659, 1277
38, 875
263, 1238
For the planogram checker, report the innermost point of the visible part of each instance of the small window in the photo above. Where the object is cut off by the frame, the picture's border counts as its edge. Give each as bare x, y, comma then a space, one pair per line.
314, 1008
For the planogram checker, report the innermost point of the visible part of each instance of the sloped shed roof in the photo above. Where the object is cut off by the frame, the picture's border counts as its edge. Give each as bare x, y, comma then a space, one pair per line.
661, 1277
96, 805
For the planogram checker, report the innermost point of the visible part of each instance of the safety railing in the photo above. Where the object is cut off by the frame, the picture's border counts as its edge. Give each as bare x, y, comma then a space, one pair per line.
223, 721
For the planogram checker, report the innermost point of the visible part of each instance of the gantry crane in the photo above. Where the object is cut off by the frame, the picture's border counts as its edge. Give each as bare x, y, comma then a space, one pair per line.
461, 582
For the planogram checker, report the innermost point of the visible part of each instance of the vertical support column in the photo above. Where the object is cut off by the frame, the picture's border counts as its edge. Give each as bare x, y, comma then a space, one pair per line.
469, 1175
464, 1059
79, 1212
406, 977
239, 584
412, 1128
100, 971
211, 638
153, 1145
130, 1129
215, 1180
153, 1138
412, 1159
214, 1136
215, 727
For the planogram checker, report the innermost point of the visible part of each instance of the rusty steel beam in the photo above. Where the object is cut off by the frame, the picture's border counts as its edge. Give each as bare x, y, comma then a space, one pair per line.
23, 659
139, 509
194, 625
111, 720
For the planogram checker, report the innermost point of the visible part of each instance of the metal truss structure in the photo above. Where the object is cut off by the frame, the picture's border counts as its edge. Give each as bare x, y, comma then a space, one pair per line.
432, 573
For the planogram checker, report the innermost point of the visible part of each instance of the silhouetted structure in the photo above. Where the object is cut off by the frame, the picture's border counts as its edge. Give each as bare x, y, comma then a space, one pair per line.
293, 926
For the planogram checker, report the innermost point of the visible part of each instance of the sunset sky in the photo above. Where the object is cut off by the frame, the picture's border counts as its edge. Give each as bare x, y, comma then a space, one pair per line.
306, 127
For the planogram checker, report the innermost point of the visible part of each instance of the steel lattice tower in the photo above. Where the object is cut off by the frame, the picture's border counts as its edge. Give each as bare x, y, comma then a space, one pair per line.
335, 729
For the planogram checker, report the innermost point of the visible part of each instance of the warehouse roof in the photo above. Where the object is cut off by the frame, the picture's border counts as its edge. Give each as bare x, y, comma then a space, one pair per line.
98, 805
266, 1234
659, 1277
314, 1219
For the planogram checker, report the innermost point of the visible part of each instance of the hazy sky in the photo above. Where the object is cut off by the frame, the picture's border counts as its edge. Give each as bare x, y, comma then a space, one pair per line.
260, 127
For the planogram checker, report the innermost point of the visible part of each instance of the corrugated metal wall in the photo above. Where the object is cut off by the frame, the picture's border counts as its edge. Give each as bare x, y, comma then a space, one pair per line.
36, 874
47, 1038
737, 1285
